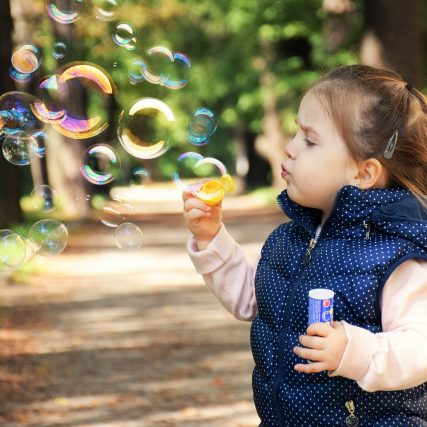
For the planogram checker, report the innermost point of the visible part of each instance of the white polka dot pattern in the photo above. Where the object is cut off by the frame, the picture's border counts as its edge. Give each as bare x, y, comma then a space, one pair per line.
355, 265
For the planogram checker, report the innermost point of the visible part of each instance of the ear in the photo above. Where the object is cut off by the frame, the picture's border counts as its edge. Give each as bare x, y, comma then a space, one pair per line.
371, 174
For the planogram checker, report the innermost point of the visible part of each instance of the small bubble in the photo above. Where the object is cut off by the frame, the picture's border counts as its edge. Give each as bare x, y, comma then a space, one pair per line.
101, 164
49, 237
44, 198
128, 236
59, 50
124, 36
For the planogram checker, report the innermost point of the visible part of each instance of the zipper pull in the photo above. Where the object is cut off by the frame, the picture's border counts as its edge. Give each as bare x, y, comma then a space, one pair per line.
307, 255
367, 230
351, 420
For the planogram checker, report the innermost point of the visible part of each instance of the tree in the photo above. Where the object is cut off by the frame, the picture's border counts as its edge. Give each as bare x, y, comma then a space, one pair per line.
10, 176
394, 37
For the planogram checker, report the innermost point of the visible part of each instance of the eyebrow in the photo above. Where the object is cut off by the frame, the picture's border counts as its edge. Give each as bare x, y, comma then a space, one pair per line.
306, 128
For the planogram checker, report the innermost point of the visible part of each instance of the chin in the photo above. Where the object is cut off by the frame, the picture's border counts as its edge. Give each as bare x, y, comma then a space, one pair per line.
307, 202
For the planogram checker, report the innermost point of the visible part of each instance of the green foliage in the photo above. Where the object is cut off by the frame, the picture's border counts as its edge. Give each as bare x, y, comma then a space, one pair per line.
232, 44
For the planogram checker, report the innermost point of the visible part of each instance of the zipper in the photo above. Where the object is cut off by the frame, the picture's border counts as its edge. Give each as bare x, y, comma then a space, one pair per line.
307, 256
351, 420
367, 226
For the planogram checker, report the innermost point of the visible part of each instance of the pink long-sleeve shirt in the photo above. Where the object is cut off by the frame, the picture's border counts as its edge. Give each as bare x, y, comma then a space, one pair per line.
394, 359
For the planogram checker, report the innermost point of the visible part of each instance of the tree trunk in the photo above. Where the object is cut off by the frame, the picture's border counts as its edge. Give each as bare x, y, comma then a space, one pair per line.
10, 176
252, 169
394, 38
64, 155
270, 144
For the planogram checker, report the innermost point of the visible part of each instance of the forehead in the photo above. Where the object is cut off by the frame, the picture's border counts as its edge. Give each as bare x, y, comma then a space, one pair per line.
312, 113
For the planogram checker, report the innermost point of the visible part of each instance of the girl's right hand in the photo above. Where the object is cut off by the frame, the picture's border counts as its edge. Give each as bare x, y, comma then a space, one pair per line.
203, 221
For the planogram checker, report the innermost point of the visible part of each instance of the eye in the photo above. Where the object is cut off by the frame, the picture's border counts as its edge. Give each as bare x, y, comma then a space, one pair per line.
309, 143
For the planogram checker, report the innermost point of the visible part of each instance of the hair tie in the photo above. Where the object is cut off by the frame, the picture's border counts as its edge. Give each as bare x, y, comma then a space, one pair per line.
409, 86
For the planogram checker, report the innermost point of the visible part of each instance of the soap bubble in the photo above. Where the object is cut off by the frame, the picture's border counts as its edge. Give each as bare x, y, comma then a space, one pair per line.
140, 176
12, 249
136, 73
49, 237
48, 106
128, 236
202, 126
19, 77
19, 148
124, 36
111, 216
16, 113
185, 168
59, 50
105, 9
44, 198
166, 68
65, 11
213, 181
26, 58
101, 164
157, 68
144, 128
90, 75
177, 76
40, 137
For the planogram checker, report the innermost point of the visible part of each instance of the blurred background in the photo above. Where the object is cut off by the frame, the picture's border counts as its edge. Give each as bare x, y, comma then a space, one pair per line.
122, 333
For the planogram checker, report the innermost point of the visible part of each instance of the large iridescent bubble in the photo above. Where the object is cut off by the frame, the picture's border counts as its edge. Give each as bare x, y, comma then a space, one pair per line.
144, 128
65, 11
49, 105
56, 107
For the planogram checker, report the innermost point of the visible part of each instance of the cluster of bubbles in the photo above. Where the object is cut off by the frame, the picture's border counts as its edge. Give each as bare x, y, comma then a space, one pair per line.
144, 131
163, 67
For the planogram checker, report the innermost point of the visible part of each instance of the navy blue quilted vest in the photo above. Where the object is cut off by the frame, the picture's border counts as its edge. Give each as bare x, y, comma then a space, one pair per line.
366, 236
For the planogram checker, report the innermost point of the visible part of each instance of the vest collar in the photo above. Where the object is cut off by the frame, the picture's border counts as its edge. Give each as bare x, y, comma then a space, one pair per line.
352, 205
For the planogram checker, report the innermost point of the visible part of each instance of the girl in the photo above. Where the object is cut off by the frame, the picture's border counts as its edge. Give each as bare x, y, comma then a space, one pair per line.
356, 174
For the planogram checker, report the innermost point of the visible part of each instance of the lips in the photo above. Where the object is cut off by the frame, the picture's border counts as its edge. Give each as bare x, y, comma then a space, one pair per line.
284, 173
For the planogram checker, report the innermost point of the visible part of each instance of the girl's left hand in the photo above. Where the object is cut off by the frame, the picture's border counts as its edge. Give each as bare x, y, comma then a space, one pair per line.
323, 346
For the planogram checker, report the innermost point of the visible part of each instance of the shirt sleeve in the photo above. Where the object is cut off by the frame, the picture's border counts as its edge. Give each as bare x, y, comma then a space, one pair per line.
227, 274
394, 359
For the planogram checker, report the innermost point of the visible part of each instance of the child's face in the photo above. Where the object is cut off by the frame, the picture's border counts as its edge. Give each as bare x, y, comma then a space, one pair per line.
314, 173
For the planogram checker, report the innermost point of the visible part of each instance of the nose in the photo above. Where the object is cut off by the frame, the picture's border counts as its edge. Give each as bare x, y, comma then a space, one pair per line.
290, 149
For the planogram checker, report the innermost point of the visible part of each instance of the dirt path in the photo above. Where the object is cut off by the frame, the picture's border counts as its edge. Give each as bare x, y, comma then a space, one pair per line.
108, 338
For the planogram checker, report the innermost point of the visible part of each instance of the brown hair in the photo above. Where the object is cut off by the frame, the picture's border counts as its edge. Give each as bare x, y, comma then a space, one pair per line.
368, 105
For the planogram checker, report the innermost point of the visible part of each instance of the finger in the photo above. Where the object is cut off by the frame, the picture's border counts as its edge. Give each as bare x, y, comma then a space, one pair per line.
194, 214
320, 329
187, 194
194, 203
310, 368
308, 353
313, 342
